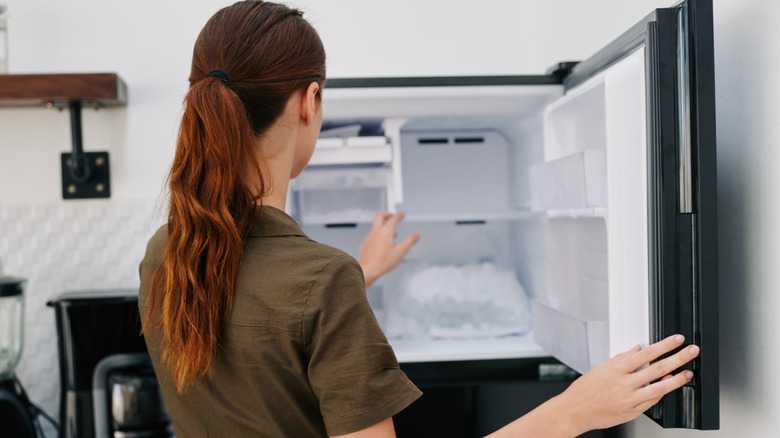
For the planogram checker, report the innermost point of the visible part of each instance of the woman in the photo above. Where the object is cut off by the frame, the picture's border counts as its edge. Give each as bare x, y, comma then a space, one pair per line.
256, 330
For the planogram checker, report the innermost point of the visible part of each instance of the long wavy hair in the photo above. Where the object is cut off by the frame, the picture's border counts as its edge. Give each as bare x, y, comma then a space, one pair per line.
248, 61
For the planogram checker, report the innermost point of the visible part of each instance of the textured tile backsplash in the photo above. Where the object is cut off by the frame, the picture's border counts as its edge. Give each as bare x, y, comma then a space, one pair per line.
83, 245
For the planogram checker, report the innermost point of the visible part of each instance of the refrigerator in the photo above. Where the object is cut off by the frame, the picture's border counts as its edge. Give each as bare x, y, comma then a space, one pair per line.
590, 189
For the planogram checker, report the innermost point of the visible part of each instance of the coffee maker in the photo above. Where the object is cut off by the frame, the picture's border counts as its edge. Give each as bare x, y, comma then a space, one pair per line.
108, 386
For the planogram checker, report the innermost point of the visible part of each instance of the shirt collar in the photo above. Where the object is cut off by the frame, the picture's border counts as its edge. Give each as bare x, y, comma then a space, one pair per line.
270, 222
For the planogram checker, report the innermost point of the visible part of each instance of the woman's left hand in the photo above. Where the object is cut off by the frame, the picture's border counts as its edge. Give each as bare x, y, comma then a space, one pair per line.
379, 253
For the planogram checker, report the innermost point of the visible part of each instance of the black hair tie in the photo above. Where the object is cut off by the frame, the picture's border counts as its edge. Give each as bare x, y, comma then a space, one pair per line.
219, 74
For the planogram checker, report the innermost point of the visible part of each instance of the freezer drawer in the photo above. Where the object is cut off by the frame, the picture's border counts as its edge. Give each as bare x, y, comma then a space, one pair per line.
330, 195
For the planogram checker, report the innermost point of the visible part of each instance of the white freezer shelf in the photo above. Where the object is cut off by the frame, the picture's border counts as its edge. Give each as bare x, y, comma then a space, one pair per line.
351, 150
578, 343
445, 350
366, 142
470, 216
575, 183
599, 212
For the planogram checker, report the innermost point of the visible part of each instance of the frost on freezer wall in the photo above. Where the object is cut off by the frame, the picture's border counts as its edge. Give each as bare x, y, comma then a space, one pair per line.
65, 247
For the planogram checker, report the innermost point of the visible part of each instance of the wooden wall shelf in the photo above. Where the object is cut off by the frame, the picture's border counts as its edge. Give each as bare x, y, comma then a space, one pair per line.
84, 174
57, 90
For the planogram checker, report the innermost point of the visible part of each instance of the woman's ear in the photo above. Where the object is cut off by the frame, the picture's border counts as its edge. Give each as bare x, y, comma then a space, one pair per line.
309, 104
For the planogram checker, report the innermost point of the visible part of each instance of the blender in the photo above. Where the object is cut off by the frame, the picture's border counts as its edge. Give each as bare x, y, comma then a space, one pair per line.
16, 411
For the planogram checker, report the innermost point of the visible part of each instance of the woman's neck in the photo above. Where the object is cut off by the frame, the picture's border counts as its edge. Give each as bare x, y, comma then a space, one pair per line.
278, 197
276, 154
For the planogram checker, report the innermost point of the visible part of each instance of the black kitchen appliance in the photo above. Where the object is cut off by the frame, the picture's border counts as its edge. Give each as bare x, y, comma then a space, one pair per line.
108, 388
16, 415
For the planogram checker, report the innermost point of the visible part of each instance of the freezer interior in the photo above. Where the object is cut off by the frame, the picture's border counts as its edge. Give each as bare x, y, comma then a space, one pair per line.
531, 203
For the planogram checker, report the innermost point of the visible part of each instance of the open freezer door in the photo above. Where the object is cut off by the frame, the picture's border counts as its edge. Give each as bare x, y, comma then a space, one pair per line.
629, 190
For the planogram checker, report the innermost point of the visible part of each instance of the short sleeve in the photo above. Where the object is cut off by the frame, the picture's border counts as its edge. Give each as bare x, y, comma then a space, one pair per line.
352, 368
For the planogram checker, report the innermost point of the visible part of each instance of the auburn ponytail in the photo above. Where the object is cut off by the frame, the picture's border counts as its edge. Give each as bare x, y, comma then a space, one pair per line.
263, 52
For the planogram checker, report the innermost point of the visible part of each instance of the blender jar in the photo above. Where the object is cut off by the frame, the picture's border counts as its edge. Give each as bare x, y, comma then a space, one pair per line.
11, 312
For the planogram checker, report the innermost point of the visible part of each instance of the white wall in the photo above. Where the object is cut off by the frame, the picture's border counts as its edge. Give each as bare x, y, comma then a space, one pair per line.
149, 44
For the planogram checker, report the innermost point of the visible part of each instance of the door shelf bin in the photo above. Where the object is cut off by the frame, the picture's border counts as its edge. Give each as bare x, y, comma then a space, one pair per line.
339, 195
578, 343
574, 182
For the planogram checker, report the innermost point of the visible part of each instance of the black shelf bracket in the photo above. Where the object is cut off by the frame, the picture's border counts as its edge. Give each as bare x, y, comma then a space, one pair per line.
85, 175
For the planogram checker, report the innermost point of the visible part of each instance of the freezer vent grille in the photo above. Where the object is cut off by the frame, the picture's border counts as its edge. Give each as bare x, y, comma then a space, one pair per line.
448, 140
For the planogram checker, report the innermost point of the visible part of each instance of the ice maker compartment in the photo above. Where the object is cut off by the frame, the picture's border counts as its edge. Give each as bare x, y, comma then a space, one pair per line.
341, 195
579, 343
574, 182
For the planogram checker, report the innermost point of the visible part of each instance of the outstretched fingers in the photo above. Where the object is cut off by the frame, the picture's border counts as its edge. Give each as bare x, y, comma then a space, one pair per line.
393, 219
649, 393
653, 392
380, 218
667, 366
635, 360
407, 243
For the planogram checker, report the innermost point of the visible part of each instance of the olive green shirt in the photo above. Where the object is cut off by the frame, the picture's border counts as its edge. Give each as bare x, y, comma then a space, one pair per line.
301, 354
